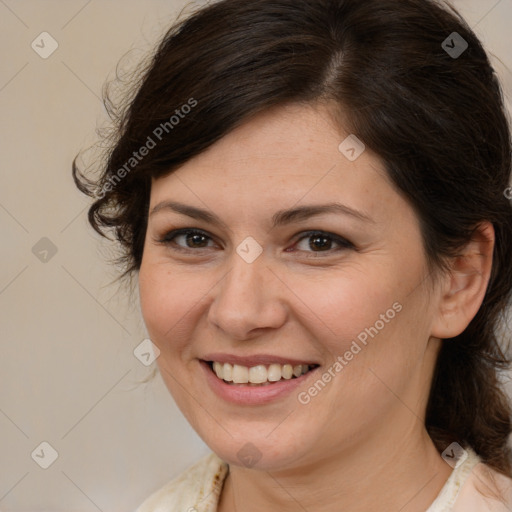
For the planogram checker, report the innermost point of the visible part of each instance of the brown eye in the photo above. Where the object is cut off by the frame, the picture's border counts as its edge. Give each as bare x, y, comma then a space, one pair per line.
320, 242
192, 239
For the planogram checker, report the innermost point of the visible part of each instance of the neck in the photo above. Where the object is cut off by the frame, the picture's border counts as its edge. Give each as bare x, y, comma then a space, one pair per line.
404, 473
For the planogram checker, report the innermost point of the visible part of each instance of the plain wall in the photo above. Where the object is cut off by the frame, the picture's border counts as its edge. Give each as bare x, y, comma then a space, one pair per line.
68, 373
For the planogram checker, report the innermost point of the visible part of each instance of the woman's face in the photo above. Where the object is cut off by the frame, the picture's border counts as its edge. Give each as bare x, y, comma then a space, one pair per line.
274, 278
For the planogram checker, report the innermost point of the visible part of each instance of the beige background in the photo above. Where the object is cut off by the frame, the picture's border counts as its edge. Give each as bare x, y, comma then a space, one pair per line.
68, 373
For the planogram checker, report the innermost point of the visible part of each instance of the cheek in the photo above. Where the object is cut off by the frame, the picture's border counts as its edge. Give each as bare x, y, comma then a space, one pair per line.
152, 300
368, 316
164, 302
342, 304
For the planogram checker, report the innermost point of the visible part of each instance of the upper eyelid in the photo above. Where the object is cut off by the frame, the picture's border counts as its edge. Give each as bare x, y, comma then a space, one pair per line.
183, 231
340, 240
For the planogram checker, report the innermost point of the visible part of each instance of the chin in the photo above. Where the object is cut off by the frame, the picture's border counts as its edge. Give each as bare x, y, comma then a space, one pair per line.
262, 452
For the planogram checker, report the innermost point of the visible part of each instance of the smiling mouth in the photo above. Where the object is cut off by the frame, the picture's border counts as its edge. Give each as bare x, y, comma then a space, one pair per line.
259, 375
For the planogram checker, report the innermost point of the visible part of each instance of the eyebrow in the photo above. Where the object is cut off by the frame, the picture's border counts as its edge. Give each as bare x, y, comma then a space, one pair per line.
280, 218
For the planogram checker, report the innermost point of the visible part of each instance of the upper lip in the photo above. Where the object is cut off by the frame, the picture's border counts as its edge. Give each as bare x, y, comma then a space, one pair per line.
254, 360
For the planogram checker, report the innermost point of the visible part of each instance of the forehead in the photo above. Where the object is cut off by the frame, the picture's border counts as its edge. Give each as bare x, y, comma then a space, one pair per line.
278, 158
291, 133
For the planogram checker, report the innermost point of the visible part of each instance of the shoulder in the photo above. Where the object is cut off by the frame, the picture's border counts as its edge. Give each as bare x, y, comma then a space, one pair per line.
197, 489
474, 487
485, 490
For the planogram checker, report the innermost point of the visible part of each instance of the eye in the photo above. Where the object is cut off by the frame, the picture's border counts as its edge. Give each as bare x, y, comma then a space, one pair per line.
193, 239
321, 242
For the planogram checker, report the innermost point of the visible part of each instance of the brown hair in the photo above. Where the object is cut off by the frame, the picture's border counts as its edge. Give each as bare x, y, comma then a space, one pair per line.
436, 120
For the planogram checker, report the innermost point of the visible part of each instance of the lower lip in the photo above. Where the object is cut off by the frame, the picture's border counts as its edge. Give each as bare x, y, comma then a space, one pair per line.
252, 395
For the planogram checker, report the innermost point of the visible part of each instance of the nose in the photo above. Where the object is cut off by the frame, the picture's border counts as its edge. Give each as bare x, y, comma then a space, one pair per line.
249, 299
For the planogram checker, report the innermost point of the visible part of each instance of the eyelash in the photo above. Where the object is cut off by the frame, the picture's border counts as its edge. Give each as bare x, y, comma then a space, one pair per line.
168, 240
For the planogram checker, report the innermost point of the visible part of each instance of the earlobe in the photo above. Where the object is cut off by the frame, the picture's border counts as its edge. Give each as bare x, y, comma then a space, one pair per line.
464, 288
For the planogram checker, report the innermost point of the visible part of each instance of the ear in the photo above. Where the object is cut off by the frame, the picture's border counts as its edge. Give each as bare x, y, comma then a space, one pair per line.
463, 288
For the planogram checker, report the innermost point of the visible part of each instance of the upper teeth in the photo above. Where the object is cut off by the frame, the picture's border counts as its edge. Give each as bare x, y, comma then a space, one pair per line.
257, 374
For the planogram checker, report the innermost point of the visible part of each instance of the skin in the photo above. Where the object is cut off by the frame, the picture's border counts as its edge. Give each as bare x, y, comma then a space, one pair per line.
361, 441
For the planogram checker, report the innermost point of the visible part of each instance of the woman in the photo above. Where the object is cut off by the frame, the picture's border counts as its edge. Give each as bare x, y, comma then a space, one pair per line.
312, 196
